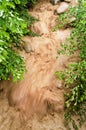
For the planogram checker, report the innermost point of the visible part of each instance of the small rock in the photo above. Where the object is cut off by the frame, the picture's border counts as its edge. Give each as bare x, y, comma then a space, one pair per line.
72, 20
54, 2
62, 8
68, 23
26, 44
27, 47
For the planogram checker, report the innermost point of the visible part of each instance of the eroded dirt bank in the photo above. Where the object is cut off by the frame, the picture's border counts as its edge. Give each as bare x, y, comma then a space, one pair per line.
40, 96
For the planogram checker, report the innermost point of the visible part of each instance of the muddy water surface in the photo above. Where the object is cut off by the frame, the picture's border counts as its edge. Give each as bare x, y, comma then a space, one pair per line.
40, 95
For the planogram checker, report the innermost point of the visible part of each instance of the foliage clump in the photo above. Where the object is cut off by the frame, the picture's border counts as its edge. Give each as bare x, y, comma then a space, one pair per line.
14, 23
75, 76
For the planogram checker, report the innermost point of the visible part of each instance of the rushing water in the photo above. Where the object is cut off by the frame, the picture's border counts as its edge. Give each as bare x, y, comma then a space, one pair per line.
40, 88
40, 95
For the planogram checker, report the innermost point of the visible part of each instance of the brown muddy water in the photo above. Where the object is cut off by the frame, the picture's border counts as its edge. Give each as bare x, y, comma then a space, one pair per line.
37, 102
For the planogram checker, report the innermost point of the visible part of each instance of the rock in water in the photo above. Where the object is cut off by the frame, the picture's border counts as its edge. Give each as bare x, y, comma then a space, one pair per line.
27, 47
62, 8
54, 2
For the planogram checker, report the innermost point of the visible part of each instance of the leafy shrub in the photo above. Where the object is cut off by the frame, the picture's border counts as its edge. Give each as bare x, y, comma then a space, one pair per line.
75, 76
14, 23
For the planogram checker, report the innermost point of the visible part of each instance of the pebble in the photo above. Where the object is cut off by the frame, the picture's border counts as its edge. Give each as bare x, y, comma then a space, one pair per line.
27, 47
62, 8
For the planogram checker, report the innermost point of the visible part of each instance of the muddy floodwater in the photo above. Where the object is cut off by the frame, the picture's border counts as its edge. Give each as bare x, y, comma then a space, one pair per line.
37, 102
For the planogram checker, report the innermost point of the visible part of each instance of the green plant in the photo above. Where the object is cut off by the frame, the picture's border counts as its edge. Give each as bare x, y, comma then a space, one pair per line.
14, 23
75, 76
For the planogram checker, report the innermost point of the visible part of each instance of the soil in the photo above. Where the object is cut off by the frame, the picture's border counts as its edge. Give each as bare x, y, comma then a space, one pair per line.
38, 99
